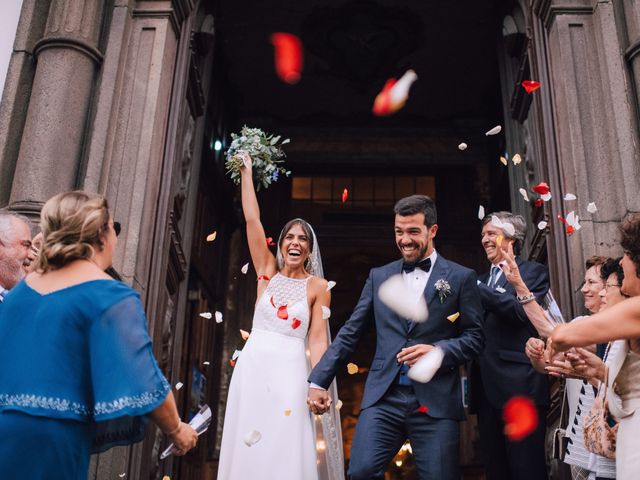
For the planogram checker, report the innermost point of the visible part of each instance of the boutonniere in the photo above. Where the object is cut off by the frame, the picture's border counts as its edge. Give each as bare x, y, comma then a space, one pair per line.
443, 288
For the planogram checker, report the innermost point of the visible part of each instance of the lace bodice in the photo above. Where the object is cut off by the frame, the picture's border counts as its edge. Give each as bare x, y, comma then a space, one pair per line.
283, 307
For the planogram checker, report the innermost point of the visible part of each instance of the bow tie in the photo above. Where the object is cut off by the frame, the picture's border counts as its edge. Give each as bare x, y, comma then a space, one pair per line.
422, 264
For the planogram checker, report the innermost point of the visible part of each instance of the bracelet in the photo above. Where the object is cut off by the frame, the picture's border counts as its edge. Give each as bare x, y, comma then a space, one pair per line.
175, 430
526, 299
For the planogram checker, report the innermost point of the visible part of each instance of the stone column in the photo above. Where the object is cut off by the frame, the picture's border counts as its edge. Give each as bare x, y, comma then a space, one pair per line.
67, 59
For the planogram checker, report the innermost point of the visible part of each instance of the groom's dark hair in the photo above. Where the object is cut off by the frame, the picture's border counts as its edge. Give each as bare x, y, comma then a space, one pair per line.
417, 204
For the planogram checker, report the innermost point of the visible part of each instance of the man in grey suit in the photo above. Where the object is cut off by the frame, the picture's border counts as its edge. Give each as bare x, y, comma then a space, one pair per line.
394, 407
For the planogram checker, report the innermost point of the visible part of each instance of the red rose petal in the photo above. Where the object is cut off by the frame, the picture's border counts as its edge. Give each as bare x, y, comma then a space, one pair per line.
263, 277
520, 417
538, 203
270, 242
296, 323
570, 230
232, 363
282, 312
542, 188
561, 219
530, 85
345, 195
288, 56
382, 103
422, 409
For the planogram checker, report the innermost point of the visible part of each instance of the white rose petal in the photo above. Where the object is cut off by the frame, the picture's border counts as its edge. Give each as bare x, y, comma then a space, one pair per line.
542, 225
179, 385
330, 285
480, 212
591, 208
245, 268
494, 131
394, 294
500, 290
206, 363
326, 312
524, 194
425, 368
252, 438
206, 315
218, 317
546, 197
516, 159
462, 146
569, 196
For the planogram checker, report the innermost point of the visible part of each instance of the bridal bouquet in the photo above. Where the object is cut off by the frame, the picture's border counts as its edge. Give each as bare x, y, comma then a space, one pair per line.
266, 153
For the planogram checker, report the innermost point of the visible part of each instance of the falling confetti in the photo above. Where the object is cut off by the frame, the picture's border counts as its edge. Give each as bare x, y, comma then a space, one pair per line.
206, 315
326, 312
245, 268
263, 277
352, 368
330, 285
122, 475
524, 194
179, 385
542, 225
569, 196
282, 312
287, 413
427, 366
573, 223
516, 159
338, 405
394, 94
244, 334
591, 208
288, 56
520, 418
499, 240
212, 236
546, 197
218, 317
506, 227
453, 317
206, 363
541, 189
296, 323
252, 438
270, 242
422, 409
232, 363
480, 212
504, 161
345, 195
538, 202
570, 230
463, 146
393, 293
494, 131
530, 86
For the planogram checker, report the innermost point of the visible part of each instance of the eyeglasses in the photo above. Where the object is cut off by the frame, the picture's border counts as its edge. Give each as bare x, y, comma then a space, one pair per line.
611, 285
117, 228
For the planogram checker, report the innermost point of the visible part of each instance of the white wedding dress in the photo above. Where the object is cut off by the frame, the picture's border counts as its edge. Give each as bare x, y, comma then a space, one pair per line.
268, 392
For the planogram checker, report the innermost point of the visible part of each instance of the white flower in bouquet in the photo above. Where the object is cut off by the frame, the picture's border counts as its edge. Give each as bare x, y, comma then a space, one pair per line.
266, 154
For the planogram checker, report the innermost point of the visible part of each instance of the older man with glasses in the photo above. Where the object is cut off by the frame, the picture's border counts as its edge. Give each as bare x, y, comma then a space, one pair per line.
16, 250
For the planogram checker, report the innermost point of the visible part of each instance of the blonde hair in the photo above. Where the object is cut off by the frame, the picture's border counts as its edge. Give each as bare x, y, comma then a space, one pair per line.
72, 224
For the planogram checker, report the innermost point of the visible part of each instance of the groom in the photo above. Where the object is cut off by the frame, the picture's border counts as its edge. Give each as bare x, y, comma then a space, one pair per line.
394, 407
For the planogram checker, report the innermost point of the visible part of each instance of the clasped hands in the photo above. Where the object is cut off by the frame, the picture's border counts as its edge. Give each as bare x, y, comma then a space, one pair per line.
575, 363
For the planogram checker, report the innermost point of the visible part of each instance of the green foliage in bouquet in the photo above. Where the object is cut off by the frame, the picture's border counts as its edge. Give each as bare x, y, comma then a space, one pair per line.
265, 152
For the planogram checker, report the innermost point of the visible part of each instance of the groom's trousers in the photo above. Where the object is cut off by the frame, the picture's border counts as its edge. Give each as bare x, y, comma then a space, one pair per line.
383, 428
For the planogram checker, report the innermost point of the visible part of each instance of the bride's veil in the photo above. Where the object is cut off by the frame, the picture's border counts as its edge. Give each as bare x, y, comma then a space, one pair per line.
327, 427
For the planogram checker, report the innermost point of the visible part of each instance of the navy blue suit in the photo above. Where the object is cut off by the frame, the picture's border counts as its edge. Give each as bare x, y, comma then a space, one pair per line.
389, 412
503, 370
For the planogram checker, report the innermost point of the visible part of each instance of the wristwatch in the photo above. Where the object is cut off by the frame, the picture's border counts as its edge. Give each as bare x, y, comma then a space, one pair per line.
526, 299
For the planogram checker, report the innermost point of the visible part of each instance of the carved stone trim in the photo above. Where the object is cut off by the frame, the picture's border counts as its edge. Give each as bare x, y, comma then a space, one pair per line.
547, 11
66, 42
631, 52
177, 259
175, 17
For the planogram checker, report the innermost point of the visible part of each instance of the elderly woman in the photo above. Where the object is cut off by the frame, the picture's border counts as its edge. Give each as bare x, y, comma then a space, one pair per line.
621, 321
83, 377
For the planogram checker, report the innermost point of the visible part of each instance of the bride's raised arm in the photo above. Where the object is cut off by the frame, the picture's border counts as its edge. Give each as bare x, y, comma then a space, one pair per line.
263, 260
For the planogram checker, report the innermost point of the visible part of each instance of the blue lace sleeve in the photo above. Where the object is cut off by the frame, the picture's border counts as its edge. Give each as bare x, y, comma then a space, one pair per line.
127, 383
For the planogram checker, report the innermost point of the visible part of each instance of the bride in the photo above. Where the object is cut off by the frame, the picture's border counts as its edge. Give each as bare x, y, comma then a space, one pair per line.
269, 432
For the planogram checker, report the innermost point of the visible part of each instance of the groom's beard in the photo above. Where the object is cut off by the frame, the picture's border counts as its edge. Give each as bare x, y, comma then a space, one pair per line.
414, 257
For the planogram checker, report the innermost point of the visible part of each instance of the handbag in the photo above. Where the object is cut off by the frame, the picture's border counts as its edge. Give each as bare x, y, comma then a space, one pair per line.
599, 435
560, 440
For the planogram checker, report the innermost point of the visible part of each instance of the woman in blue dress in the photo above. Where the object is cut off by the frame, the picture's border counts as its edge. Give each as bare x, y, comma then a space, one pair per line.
78, 374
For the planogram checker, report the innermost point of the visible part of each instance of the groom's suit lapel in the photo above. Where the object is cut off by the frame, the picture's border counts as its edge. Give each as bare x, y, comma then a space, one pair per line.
440, 271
